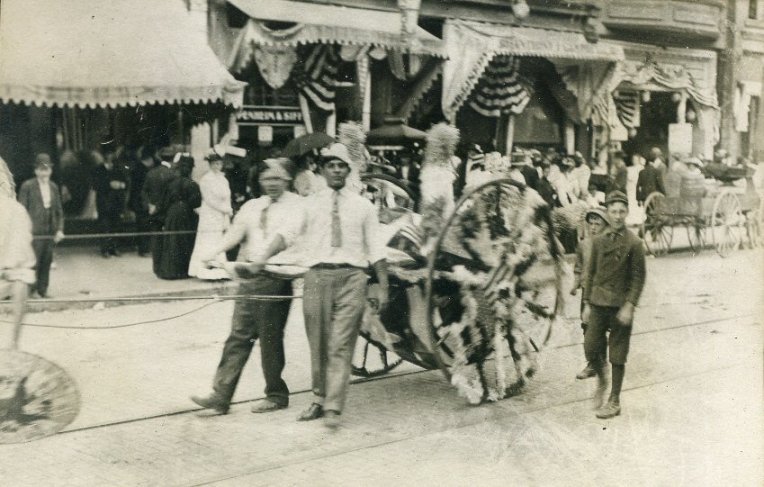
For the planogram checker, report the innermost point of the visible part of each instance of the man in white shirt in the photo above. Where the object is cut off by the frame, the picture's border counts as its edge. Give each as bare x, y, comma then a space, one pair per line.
342, 230
266, 226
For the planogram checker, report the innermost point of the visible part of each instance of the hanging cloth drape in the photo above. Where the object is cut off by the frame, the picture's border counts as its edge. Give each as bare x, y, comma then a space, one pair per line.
317, 76
500, 91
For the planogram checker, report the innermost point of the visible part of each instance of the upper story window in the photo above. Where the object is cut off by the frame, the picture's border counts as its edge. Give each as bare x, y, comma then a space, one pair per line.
753, 9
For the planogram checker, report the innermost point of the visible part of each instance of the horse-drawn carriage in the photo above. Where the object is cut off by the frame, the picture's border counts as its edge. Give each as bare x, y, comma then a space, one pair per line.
484, 286
724, 213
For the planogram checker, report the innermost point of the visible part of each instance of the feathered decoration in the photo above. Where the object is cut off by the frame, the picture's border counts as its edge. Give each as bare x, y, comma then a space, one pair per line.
441, 144
351, 135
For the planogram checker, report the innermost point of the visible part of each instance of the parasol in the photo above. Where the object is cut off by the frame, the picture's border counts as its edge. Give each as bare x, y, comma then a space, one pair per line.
302, 145
394, 131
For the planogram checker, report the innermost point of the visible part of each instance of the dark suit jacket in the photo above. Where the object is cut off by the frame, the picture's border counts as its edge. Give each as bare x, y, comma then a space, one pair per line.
30, 197
649, 181
616, 270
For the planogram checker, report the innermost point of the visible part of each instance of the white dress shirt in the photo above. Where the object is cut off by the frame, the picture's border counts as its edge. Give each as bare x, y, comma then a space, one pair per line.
362, 242
45, 192
284, 217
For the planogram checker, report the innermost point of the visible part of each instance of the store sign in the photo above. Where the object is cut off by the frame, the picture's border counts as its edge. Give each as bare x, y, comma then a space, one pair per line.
267, 115
680, 138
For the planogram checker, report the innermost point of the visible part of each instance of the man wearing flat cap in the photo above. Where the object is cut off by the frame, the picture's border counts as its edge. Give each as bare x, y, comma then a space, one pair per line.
342, 230
611, 290
42, 199
266, 226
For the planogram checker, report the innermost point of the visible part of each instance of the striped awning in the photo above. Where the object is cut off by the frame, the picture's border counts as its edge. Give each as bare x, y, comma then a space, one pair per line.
115, 53
325, 24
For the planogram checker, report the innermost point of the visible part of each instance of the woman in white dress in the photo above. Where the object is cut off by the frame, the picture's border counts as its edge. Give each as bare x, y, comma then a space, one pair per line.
214, 219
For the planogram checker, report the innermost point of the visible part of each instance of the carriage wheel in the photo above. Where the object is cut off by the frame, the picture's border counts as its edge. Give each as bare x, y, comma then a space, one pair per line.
696, 235
726, 223
372, 359
38, 397
494, 283
657, 230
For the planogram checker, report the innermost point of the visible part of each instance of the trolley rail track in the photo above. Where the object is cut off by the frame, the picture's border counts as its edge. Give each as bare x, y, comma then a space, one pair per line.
395, 375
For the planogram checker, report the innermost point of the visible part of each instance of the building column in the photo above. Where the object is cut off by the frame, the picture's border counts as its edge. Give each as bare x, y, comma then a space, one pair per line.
727, 83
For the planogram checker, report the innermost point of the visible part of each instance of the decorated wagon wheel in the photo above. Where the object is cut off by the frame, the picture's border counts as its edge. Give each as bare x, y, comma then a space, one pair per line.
374, 353
727, 222
493, 289
657, 230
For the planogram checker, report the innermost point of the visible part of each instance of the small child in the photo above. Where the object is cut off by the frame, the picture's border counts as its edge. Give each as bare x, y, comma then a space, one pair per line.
596, 222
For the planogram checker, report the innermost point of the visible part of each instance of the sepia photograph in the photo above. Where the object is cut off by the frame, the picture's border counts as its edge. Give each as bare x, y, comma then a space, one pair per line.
381, 243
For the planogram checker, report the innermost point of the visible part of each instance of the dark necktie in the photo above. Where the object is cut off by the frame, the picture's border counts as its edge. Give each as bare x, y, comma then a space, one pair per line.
336, 230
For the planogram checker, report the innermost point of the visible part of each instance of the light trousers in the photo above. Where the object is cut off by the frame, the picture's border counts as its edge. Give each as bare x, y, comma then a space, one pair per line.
333, 303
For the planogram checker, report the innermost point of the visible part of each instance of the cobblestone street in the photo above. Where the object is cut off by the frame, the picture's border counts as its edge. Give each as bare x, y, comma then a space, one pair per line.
691, 414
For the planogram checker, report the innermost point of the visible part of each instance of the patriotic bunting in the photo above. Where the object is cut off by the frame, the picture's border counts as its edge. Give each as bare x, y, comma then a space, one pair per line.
499, 91
317, 76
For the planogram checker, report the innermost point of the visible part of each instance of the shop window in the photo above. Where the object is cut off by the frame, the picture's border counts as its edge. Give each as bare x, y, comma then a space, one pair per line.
753, 9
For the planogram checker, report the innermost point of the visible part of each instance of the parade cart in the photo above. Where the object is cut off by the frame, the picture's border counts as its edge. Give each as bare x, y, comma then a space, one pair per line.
723, 215
474, 295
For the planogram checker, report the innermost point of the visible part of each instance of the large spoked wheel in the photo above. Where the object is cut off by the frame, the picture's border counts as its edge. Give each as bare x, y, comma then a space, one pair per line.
696, 235
493, 290
657, 230
727, 222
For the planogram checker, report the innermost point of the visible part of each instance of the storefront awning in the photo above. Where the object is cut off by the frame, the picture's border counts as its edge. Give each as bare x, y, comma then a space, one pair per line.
95, 53
470, 46
326, 24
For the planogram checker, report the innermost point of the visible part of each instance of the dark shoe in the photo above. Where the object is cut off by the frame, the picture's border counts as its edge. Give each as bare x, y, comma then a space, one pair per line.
332, 419
214, 402
589, 371
43, 294
609, 410
314, 411
266, 406
115, 252
105, 255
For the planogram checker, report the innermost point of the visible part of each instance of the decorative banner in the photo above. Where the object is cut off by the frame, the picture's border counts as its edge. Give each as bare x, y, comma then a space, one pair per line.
275, 63
37, 397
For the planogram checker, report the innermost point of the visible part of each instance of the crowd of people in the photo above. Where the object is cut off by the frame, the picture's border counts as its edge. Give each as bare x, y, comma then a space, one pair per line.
311, 211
